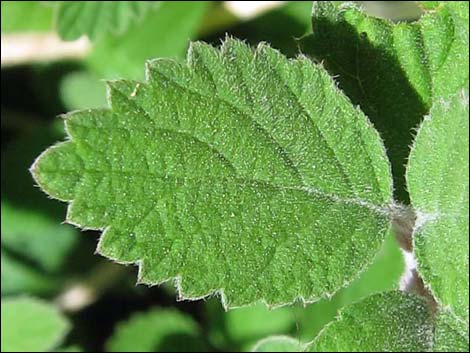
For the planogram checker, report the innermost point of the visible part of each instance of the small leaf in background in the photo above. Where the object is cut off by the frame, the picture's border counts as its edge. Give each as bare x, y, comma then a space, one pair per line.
165, 32
31, 325
20, 277
292, 21
279, 344
95, 18
35, 245
438, 177
26, 16
392, 71
158, 330
34, 234
240, 170
238, 329
82, 89
450, 333
387, 322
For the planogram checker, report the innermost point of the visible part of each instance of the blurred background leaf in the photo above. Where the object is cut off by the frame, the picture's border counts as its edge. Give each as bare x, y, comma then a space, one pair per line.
33, 325
158, 330
165, 32
26, 16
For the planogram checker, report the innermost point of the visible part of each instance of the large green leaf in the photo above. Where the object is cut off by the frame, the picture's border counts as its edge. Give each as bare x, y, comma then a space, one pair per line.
30, 325
95, 18
387, 322
158, 330
240, 172
450, 333
393, 71
164, 32
438, 185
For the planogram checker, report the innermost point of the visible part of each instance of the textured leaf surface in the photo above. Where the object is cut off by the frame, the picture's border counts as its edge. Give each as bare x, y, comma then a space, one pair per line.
173, 22
438, 184
388, 322
278, 344
393, 71
30, 325
381, 276
450, 333
159, 330
93, 18
240, 171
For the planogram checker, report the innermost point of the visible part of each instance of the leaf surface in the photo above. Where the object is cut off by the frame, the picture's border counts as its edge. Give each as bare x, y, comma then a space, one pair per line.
158, 330
437, 177
240, 172
450, 333
394, 71
168, 27
94, 18
387, 322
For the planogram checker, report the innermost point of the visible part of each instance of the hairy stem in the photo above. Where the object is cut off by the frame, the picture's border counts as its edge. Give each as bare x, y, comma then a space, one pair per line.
403, 225
89, 289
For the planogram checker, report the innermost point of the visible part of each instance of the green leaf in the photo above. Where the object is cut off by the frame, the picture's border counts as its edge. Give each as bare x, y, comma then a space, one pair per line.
26, 16
36, 236
248, 324
393, 71
239, 329
95, 18
382, 275
30, 223
279, 344
388, 322
20, 277
31, 325
168, 28
158, 330
82, 89
240, 172
450, 333
438, 184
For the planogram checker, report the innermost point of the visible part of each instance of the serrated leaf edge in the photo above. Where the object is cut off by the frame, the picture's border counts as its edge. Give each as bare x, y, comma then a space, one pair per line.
386, 210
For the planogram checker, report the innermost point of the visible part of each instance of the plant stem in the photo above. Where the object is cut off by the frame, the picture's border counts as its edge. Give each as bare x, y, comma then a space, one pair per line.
89, 289
403, 225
